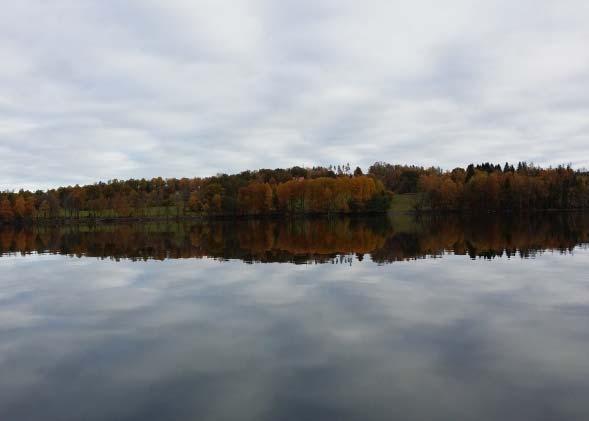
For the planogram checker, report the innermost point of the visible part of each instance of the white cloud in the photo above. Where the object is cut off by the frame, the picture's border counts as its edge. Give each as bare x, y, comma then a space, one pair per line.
98, 90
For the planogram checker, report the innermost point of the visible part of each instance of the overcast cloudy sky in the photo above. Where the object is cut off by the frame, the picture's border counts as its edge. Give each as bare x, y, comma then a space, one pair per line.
94, 90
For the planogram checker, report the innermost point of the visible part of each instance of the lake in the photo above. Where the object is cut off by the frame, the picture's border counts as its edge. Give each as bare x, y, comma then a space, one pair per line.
373, 318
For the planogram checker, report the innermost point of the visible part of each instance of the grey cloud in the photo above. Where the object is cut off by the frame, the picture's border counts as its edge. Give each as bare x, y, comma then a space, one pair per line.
205, 87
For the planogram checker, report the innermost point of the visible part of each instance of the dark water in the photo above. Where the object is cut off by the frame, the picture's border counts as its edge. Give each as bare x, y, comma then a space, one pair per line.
360, 319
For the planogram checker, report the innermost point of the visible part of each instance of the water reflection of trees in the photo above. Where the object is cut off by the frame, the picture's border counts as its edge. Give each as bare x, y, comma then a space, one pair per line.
308, 240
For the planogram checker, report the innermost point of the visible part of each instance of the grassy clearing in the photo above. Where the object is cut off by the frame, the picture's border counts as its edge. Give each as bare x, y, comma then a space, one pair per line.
405, 202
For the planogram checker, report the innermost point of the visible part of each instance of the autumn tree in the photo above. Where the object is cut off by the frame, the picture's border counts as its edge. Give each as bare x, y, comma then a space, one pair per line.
19, 207
256, 198
44, 209
6, 212
30, 206
194, 203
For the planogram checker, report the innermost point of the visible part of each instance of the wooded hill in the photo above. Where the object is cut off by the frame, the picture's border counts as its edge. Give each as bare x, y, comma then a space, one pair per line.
315, 190
281, 191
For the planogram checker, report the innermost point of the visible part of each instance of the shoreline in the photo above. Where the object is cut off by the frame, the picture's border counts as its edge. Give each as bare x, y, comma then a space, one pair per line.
226, 217
230, 217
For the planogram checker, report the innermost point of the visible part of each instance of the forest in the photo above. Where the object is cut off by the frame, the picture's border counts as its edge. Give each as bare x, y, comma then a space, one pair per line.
294, 190
488, 187
317, 190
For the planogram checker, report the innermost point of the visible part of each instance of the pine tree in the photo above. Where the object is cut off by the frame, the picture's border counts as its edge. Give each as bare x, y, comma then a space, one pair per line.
469, 173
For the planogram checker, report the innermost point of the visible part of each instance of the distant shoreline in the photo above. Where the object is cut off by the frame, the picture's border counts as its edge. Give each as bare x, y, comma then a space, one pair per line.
58, 221
219, 217
482, 189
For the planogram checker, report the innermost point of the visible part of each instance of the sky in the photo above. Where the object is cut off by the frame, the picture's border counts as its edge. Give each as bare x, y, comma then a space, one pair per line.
97, 90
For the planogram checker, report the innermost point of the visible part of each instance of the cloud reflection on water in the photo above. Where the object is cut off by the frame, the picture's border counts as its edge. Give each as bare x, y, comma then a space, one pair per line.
442, 338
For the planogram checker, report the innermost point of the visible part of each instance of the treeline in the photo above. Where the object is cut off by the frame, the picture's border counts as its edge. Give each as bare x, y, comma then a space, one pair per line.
281, 191
487, 186
317, 190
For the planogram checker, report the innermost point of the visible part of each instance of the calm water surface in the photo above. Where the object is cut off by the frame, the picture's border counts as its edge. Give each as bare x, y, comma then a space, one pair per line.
360, 319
